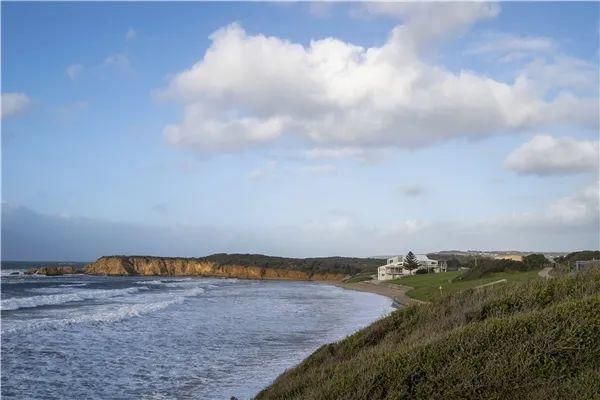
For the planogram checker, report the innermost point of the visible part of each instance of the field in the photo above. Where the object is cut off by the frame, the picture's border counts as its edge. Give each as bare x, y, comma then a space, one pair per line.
527, 339
427, 287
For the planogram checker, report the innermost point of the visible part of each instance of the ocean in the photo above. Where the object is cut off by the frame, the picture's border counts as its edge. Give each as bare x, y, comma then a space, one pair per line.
84, 337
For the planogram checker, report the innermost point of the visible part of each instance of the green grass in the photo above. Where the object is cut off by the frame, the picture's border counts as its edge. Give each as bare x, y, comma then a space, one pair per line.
535, 339
426, 287
363, 276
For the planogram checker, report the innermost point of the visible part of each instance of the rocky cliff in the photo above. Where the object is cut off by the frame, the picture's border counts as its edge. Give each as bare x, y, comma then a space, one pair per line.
141, 265
54, 270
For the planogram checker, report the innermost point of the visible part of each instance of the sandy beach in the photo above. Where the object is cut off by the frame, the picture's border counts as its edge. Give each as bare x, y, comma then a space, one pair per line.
395, 292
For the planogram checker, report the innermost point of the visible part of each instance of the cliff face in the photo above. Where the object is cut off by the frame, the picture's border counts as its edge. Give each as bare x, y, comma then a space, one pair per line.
139, 265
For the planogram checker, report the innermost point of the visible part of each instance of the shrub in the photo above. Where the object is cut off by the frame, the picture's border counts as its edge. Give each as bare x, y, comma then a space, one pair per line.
535, 261
485, 266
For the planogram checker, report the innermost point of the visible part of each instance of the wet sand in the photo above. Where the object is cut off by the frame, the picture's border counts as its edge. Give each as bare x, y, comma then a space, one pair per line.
395, 292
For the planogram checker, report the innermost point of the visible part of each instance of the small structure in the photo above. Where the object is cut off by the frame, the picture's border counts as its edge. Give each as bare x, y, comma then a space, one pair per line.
395, 268
583, 265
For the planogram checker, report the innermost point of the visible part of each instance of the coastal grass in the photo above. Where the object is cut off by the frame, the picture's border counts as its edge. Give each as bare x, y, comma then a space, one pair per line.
363, 276
427, 286
527, 339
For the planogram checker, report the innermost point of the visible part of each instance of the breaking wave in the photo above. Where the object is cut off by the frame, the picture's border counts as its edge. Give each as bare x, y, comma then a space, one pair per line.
16, 303
106, 313
105, 316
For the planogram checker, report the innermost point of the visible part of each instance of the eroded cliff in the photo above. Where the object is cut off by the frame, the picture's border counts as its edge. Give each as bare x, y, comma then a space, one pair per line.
141, 265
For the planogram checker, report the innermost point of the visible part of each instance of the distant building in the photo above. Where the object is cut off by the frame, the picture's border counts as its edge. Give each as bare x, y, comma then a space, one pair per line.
394, 267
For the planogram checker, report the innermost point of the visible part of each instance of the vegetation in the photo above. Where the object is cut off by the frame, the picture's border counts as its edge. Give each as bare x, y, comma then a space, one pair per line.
453, 261
585, 255
524, 340
481, 267
410, 261
427, 287
363, 276
535, 261
343, 265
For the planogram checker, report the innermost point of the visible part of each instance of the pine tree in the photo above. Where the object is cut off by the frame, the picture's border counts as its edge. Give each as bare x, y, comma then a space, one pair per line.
410, 261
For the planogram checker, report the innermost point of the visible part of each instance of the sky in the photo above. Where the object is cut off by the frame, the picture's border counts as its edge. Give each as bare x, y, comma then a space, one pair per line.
298, 129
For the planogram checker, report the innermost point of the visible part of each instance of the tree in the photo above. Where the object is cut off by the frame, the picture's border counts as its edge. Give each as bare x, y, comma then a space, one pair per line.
535, 261
410, 261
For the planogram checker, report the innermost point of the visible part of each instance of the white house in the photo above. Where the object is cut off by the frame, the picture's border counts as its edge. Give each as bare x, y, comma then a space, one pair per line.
394, 267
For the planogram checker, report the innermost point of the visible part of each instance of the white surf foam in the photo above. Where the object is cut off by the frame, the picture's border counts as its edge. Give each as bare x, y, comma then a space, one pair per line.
152, 282
9, 272
74, 285
16, 303
105, 313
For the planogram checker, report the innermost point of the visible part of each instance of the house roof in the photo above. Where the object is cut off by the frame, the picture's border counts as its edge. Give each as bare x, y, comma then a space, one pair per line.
423, 257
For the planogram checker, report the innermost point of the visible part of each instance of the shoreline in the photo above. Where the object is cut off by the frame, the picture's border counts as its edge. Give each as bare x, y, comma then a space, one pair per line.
395, 292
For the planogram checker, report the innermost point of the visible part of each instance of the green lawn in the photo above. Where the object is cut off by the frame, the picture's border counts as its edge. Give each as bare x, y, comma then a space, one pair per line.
426, 287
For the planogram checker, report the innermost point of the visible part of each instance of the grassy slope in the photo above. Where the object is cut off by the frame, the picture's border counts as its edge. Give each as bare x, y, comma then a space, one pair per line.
426, 287
524, 340
363, 276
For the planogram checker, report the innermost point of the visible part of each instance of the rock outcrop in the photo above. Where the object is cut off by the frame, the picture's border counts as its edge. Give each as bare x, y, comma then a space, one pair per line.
166, 266
54, 270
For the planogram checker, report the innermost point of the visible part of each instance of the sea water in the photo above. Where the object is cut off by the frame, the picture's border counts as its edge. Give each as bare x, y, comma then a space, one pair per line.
83, 337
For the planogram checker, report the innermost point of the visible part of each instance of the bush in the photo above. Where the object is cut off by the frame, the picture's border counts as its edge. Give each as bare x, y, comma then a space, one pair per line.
486, 266
535, 261
585, 255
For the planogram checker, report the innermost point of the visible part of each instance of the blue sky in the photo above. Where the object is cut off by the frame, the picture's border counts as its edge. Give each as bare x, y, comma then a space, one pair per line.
304, 129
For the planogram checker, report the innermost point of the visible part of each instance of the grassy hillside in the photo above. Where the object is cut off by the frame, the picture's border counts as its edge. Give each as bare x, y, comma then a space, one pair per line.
427, 287
536, 339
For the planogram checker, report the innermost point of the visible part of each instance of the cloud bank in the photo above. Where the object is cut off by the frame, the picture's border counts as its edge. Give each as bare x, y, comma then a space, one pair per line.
254, 90
567, 224
547, 155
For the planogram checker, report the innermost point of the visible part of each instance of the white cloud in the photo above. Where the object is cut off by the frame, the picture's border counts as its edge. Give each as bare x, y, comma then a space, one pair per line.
547, 155
73, 71
250, 90
118, 61
579, 211
261, 172
579, 208
72, 109
131, 34
509, 47
341, 152
412, 190
320, 9
450, 18
13, 104
320, 169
